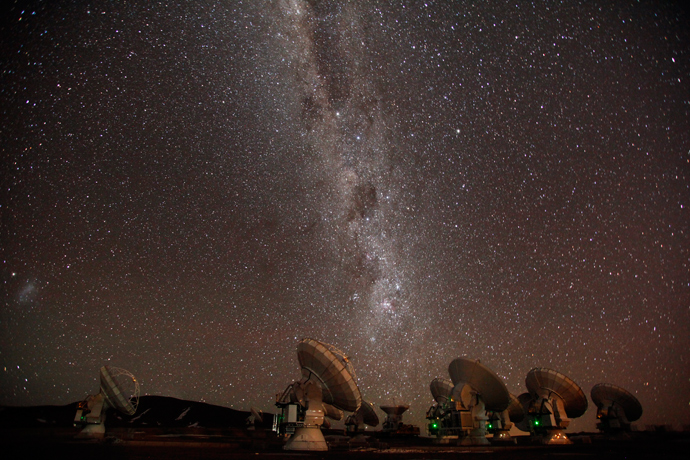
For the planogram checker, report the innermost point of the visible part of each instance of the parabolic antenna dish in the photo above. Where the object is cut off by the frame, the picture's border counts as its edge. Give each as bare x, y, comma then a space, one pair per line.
120, 389
462, 393
369, 415
332, 412
395, 411
515, 411
603, 392
258, 417
482, 380
441, 390
525, 400
541, 380
337, 382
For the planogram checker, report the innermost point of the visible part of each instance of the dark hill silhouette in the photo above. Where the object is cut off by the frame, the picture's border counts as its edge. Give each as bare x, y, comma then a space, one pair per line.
153, 411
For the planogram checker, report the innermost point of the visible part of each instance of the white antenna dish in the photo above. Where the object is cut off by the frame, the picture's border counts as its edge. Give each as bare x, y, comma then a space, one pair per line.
616, 407
553, 400
462, 394
395, 411
485, 382
365, 415
113, 383
483, 397
119, 389
525, 400
369, 415
515, 410
500, 423
327, 388
332, 412
333, 371
441, 390
542, 382
394, 415
257, 414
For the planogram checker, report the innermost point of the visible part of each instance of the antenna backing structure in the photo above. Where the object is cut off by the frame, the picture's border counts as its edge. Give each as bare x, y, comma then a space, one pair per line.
552, 401
365, 415
478, 401
327, 387
616, 407
119, 389
441, 390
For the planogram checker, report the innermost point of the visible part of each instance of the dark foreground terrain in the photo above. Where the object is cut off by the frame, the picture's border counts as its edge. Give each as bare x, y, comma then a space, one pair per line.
169, 428
197, 444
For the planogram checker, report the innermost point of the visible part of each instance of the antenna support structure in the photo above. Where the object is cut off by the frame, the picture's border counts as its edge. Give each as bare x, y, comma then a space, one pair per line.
119, 390
326, 388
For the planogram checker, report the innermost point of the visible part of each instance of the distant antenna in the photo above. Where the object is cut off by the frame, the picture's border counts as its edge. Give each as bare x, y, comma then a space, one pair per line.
552, 401
255, 415
119, 390
515, 410
327, 379
525, 400
394, 415
441, 390
616, 407
365, 415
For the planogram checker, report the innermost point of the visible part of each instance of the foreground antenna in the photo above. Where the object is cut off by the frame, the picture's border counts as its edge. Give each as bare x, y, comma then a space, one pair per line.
327, 380
475, 402
119, 390
553, 399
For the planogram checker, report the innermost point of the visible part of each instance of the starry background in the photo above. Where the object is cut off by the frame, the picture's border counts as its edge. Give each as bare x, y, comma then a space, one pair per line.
190, 189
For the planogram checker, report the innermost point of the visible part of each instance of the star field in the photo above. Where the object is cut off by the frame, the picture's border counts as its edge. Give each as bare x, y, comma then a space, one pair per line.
189, 190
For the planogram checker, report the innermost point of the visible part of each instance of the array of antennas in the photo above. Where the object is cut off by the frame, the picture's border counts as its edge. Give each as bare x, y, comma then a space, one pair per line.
476, 402
472, 404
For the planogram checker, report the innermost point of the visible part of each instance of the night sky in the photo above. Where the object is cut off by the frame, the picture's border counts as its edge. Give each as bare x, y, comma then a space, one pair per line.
189, 189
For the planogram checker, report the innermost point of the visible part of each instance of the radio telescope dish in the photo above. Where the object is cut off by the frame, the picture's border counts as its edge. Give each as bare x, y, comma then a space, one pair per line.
326, 389
119, 389
113, 382
365, 415
333, 372
603, 393
542, 382
441, 390
257, 414
369, 415
616, 407
395, 411
500, 423
515, 410
394, 416
525, 401
552, 401
462, 393
332, 412
485, 382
